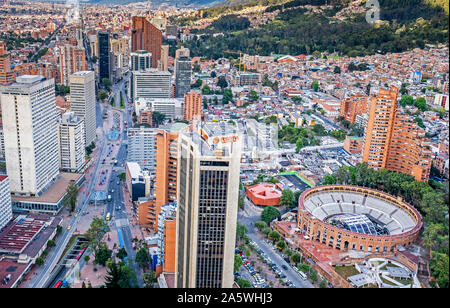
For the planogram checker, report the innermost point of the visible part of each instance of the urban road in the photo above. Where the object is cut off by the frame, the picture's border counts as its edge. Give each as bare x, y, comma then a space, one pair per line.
248, 217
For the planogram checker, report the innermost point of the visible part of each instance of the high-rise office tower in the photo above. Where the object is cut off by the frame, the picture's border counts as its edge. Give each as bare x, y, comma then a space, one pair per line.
183, 72
192, 106
145, 36
82, 102
71, 60
104, 57
141, 60
30, 132
150, 84
6, 74
5, 201
208, 188
392, 140
72, 147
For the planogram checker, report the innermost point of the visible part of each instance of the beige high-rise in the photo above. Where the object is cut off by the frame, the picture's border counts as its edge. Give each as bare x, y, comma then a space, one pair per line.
207, 195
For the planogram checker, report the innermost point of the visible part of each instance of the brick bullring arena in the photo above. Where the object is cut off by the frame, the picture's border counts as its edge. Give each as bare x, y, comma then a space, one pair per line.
356, 218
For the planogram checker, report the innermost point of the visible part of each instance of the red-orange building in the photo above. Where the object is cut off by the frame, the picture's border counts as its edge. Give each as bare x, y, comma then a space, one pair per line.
353, 144
393, 141
264, 194
71, 60
6, 74
145, 36
192, 106
353, 106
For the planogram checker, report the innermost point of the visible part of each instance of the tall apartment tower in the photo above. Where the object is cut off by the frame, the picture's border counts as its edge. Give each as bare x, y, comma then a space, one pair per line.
192, 106
72, 147
208, 189
104, 57
183, 72
5, 201
6, 74
145, 36
353, 106
71, 60
82, 102
30, 133
141, 147
392, 140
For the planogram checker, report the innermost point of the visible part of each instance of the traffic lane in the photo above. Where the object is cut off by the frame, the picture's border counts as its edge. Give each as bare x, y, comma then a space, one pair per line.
279, 261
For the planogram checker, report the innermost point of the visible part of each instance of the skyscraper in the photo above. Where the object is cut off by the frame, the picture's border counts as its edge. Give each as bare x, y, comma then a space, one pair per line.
72, 146
392, 140
82, 102
141, 147
6, 74
30, 133
141, 60
150, 84
192, 106
183, 73
71, 60
104, 56
5, 201
145, 36
208, 187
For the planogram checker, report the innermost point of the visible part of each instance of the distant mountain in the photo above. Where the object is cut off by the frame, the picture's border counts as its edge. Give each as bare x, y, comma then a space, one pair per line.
156, 3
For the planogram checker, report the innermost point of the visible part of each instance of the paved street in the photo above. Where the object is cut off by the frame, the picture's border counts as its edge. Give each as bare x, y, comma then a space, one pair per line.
248, 217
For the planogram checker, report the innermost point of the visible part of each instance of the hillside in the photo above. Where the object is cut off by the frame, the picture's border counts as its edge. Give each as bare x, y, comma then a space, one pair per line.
406, 24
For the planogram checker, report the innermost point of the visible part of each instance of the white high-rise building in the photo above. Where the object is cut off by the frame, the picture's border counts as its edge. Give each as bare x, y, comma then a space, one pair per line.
30, 133
5, 201
82, 102
207, 197
141, 147
151, 84
72, 147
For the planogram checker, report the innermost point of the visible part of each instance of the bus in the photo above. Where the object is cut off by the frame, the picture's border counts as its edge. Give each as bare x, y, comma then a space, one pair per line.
57, 285
80, 254
109, 198
108, 216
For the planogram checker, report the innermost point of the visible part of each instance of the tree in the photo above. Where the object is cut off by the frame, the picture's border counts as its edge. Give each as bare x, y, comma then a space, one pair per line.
83, 285
102, 254
158, 117
39, 261
296, 258
406, 100
71, 196
198, 83
206, 90
281, 245
237, 262
329, 179
106, 83
102, 95
95, 232
86, 258
149, 279
323, 284
421, 104
270, 213
222, 82
266, 231
287, 198
313, 275
51, 243
274, 236
253, 96
315, 85
213, 74
260, 225
122, 253
337, 70
241, 231
142, 257
244, 283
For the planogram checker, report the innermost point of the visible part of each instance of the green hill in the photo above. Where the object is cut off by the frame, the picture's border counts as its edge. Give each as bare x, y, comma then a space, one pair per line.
407, 24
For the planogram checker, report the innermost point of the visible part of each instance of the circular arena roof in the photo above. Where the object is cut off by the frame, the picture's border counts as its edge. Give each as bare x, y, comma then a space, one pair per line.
360, 210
